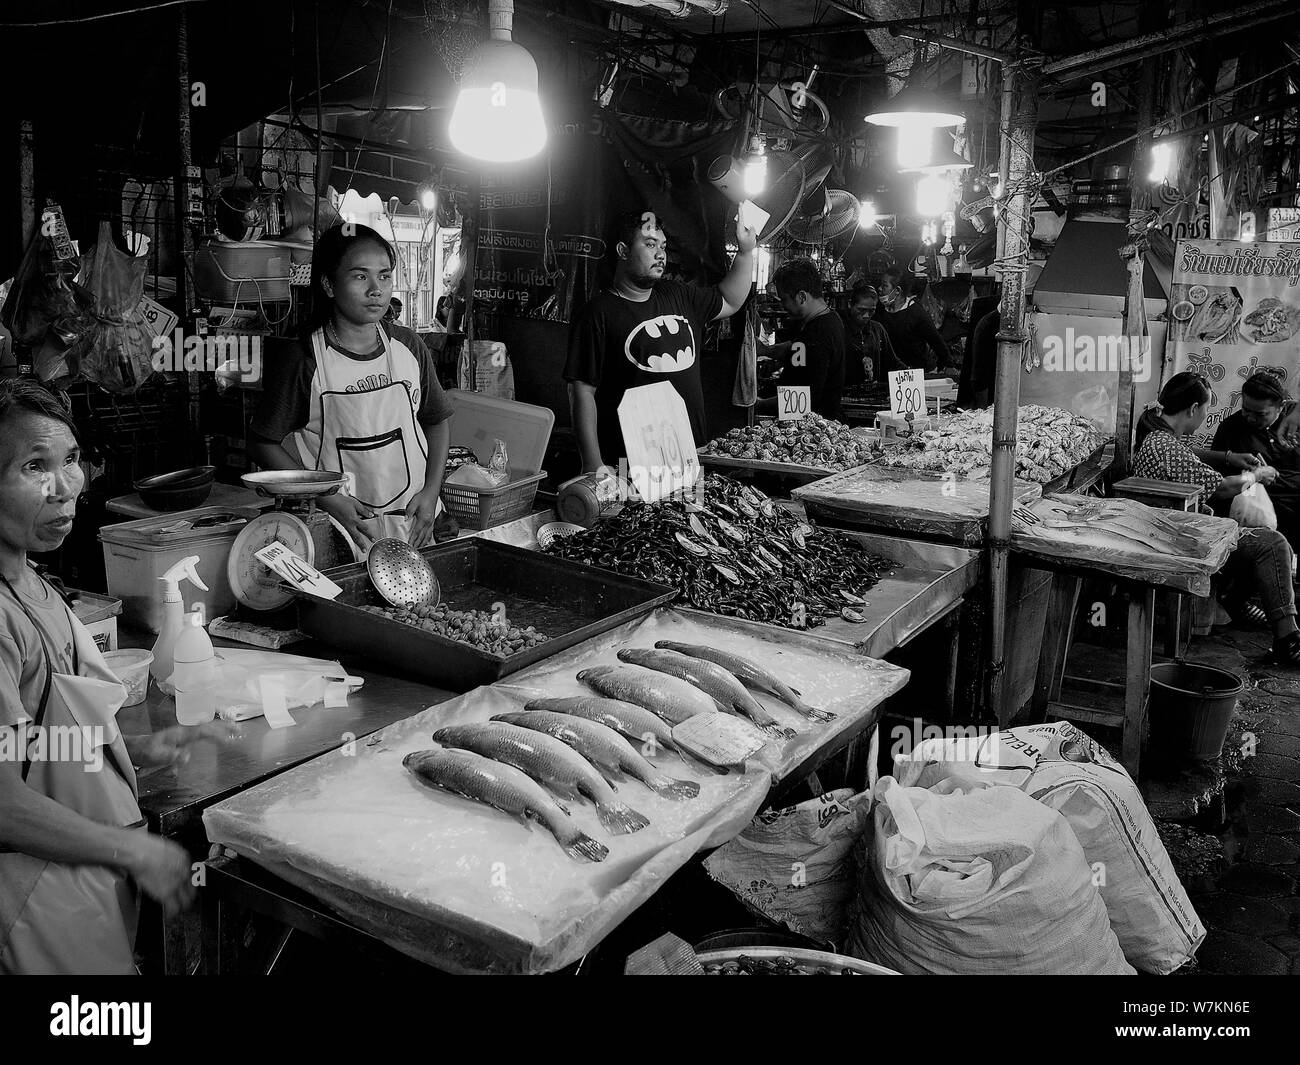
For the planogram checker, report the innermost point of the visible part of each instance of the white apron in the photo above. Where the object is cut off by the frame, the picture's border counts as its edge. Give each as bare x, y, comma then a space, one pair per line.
73, 919
372, 435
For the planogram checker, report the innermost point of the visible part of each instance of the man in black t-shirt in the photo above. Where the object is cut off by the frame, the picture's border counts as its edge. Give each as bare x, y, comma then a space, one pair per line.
816, 356
642, 330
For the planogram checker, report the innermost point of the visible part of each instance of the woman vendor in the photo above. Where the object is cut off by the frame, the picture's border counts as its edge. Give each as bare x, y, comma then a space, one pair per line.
1261, 563
73, 851
360, 396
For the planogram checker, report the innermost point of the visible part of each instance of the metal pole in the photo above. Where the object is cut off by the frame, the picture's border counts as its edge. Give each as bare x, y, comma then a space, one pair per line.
1016, 161
955, 44
184, 248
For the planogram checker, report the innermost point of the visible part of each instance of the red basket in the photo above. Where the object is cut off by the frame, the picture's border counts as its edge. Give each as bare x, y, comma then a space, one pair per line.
482, 508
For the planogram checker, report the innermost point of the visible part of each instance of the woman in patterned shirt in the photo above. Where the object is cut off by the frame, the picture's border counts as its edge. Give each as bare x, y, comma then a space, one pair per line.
1261, 562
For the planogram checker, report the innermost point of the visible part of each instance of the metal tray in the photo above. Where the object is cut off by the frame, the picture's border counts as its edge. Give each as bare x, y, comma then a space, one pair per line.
829, 964
569, 601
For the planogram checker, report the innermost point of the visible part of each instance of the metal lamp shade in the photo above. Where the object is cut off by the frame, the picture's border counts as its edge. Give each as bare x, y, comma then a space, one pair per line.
498, 114
916, 108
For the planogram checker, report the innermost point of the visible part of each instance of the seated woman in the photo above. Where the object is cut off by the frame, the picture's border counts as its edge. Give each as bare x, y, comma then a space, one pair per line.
1262, 561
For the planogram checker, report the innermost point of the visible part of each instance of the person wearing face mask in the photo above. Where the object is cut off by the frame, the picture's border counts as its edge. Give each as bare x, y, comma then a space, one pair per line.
1253, 431
868, 351
74, 854
915, 339
360, 396
1261, 562
641, 330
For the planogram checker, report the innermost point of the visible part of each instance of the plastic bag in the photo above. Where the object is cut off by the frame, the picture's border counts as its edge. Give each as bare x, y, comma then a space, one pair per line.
46, 309
239, 676
795, 865
484, 366
116, 353
978, 880
1064, 768
1252, 509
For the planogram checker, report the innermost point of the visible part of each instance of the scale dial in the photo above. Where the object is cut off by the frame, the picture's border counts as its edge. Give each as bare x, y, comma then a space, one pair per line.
253, 582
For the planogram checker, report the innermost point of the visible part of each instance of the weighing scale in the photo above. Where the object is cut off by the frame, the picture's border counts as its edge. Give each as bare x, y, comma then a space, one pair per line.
296, 522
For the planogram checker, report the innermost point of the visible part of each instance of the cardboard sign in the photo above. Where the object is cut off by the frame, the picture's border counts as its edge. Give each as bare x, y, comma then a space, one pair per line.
297, 572
720, 739
158, 318
907, 392
661, 456
793, 402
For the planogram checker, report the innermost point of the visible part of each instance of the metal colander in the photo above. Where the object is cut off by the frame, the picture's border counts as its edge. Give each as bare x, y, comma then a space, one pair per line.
401, 574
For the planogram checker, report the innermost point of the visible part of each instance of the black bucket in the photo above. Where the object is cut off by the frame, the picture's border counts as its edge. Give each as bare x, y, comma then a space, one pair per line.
1191, 707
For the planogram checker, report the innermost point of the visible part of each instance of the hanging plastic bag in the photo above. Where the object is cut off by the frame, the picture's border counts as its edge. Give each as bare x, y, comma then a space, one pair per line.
116, 353
46, 310
744, 390
1252, 509
484, 366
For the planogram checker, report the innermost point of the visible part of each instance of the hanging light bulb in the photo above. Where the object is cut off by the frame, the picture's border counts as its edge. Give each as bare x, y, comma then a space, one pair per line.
1161, 157
498, 114
914, 146
916, 108
933, 194
929, 233
426, 196
756, 165
867, 214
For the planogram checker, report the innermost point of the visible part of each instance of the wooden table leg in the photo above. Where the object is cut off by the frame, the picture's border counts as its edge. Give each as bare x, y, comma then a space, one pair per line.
1141, 630
1058, 634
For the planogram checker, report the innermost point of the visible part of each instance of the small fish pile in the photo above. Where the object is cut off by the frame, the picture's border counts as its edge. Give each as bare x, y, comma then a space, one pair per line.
808, 441
736, 553
478, 628
1049, 441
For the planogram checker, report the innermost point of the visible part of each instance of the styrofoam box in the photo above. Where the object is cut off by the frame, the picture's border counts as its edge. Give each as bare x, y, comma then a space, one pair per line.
133, 562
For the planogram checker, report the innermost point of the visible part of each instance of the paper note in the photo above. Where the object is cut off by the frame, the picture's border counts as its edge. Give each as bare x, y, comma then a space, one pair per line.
297, 572
793, 402
661, 456
907, 392
750, 214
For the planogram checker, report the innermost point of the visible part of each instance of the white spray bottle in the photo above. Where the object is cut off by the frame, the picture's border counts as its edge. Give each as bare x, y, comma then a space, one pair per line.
173, 620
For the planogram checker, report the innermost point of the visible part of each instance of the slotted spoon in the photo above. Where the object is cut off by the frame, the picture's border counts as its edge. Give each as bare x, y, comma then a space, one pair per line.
401, 574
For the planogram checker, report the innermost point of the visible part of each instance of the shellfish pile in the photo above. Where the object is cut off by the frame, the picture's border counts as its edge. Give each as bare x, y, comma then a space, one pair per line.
1049, 441
730, 550
808, 441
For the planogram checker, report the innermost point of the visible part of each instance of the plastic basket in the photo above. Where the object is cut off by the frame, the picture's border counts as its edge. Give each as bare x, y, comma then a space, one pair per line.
300, 274
482, 508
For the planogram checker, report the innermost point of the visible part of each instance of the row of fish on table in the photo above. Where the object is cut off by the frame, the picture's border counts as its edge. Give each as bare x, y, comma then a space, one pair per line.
529, 762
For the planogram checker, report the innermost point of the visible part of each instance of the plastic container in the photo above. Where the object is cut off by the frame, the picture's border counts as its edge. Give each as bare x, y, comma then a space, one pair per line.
479, 421
131, 667
98, 613
244, 272
137, 553
482, 508
1191, 707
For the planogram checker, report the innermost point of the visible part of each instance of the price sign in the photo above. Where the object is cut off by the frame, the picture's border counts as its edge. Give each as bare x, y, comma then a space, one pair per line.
661, 456
157, 317
297, 572
907, 392
793, 402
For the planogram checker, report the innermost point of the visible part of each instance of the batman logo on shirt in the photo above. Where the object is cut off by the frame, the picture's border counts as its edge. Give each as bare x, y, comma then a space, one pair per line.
665, 344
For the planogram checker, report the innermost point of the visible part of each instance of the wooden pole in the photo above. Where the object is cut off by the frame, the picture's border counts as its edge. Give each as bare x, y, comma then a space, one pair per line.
1020, 97
184, 243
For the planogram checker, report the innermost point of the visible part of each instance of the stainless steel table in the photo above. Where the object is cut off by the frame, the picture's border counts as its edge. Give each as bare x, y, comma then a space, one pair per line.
173, 799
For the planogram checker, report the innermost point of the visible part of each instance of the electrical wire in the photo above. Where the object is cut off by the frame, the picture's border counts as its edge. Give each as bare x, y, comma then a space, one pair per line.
100, 17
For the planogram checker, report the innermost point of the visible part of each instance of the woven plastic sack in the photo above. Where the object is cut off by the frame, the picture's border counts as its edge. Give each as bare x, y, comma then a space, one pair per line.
977, 880
1066, 769
795, 866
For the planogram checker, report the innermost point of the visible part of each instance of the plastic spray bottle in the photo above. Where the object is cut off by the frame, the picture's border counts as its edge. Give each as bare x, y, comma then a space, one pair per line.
173, 620
194, 672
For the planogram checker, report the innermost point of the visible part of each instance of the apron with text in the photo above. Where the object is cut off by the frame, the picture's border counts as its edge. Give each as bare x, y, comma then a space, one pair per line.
57, 917
373, 437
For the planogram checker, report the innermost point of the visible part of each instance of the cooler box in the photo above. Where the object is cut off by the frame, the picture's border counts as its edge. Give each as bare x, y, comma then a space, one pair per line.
478, 422
137, 553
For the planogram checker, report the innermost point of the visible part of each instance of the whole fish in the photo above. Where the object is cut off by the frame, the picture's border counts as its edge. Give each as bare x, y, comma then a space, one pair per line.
711, 679
630, 720
549, 762
604, 748
751, 673
504, 788
671, 698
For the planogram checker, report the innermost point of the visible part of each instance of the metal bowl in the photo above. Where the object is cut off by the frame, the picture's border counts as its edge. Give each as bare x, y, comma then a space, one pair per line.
190, 478
178, 490
822, 962
293, 483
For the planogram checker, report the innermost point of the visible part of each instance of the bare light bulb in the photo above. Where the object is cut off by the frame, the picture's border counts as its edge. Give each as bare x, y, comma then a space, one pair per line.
914, 145
867, 214
932, 196
755, 175
1161, 157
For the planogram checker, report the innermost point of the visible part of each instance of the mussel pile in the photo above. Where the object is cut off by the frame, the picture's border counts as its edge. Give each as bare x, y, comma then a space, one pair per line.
809, 441
731, 550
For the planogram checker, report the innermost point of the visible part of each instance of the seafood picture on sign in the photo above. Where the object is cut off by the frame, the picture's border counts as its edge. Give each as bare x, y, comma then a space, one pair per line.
1234, 309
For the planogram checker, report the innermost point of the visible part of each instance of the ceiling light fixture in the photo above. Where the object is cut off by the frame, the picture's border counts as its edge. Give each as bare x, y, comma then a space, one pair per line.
917, 109
498, 113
